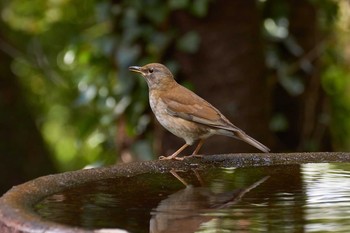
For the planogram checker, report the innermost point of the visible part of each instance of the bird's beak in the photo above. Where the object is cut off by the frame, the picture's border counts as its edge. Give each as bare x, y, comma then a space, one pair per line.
136, 69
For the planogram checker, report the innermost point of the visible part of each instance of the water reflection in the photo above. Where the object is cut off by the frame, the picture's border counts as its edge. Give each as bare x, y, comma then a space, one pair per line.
300, 198
327, 188
188, 209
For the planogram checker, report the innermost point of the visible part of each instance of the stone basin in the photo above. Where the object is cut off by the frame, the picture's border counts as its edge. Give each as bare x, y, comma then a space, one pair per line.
17, 213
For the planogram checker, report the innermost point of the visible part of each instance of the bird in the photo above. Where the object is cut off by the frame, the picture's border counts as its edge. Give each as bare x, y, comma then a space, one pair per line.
188, 209
184, 113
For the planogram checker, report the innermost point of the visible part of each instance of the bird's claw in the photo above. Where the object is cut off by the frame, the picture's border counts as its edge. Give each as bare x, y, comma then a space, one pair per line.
180, 158
170, 157
194, 156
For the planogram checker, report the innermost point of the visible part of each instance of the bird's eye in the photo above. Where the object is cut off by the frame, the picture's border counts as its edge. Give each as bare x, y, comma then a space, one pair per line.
150, 70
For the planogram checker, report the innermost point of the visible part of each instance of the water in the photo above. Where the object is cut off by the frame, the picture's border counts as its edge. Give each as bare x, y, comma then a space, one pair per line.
298, 198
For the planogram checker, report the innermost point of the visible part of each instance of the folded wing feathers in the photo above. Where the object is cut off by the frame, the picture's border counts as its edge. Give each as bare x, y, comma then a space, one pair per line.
208, 115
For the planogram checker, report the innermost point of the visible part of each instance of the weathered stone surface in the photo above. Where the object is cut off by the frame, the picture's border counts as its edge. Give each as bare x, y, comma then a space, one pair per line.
17, 215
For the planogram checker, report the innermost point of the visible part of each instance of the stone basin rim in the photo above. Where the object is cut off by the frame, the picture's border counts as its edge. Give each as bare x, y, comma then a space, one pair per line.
17, 215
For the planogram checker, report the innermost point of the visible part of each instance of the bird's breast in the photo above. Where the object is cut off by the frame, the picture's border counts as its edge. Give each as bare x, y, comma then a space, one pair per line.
189, 131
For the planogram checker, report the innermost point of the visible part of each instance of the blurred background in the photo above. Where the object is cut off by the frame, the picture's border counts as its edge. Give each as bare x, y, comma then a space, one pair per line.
278, 69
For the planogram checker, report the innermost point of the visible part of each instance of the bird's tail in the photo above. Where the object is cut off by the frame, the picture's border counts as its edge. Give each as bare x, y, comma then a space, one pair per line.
238, 134
251, 141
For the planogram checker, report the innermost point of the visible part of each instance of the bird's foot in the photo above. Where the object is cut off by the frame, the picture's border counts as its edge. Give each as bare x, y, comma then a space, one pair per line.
194, 156
170, 157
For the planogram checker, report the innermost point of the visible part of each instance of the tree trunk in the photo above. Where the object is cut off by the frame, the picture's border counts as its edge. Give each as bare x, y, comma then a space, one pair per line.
228, 71
307, 128
23, 154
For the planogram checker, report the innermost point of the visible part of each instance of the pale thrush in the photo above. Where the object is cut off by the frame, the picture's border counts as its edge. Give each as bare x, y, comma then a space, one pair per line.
184, 113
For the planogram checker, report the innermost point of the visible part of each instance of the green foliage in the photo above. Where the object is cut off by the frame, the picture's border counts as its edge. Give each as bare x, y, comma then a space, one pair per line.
336, 82
72, 59
335, 78
291, 64
189, 42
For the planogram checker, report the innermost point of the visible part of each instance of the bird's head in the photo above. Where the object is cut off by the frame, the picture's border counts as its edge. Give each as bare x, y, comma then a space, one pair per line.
157, 75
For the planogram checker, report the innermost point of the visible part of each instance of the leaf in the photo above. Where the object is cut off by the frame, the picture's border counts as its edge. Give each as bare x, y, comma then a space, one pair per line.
279, 123
200, 7
189, 42
178, 4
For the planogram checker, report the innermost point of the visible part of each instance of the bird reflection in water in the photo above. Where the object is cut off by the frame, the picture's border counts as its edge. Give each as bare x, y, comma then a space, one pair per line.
188, 209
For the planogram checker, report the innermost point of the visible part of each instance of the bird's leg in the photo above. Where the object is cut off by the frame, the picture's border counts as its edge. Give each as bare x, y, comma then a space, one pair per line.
198, 177
173, 156
173, 172
200, 144
194, 154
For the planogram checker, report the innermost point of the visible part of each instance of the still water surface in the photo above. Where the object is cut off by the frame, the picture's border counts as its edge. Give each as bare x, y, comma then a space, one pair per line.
298, 198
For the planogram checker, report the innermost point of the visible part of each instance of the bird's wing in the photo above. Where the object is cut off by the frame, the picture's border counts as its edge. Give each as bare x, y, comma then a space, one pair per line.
193, 108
